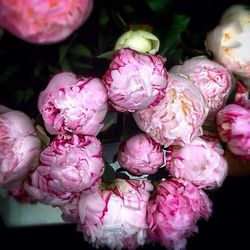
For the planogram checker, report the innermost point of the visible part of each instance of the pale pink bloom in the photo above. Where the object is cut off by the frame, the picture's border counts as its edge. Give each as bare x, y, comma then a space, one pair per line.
140, 155
45, 21
200, 162
213, 80
20, 194
116, 217
19, 147
70, 164
135, 80
71, 104
229, 40
70, 211
233, 125
173, 214
39, 186
178, 117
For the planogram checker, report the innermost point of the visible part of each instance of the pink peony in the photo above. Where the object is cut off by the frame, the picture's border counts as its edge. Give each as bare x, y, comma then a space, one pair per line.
140, 155
71, 104
70, 211
20, 194
228, 42
46, 21
20, 147
233, 125
173, 214
70, 164
116, 217
208, 169
178, 117
135, 80
242, 94
213, 80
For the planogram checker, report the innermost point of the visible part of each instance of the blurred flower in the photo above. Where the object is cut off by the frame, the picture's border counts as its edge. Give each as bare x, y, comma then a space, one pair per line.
229, 41
71, 104
140, 155
173, 214
19, 146
43, 22
178, 117
208, 169
138, 40
135, 80
213, 80
233, 125
70, 164
116, 217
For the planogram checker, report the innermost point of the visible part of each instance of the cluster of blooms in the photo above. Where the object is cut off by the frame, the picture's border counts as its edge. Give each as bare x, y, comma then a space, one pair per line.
169, 107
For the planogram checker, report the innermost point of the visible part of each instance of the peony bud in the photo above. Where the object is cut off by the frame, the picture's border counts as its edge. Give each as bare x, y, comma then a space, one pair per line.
139, 40
208, 169
71, 104
213, 80
43, 22
116, 217
233, 125
20, 147
229, 41
178, 117
140, 155
173, 214
135, 80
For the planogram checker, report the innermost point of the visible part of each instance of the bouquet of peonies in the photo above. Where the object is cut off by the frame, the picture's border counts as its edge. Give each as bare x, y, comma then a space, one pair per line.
171, 106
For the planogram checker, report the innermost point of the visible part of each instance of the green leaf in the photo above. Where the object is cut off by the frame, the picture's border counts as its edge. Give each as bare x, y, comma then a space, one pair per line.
178, 24
119, 20
109, 173
157, 5
18, 96
38, 69
103, 17
65, 65
22, 96
175, 55
107, 55
42, 135
4, 76
77, 64
128, 9
80, 50
63, 51
28, 94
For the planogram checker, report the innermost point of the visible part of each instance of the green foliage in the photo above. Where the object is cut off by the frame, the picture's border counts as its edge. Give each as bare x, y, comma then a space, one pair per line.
20, 97
173, 35
158, 5
109, 173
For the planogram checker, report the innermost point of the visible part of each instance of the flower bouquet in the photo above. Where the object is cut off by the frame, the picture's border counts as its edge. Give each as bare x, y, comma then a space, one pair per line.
179, 116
